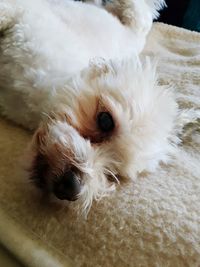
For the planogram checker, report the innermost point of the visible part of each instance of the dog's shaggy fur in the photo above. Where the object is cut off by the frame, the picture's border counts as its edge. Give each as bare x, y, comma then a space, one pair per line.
62, 64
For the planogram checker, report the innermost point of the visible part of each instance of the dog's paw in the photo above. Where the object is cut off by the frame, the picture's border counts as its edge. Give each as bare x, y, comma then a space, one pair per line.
155, 6
97, 2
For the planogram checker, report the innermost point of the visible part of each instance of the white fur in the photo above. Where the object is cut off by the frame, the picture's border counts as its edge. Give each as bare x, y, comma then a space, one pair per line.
46, 56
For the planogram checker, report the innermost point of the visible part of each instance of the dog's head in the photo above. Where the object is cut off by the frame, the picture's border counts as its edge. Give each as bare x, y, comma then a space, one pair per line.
112, 122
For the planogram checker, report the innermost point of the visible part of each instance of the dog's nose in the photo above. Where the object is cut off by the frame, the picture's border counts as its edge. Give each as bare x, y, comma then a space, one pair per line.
67, 187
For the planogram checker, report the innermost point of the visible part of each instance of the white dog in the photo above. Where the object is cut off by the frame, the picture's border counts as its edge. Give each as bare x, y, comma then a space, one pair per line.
73, 69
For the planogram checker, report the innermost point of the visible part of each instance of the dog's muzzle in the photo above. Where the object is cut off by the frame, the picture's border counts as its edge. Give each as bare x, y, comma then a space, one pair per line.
67, 187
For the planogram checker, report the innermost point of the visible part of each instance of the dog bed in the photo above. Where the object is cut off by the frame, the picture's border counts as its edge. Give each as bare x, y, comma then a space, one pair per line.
153, 222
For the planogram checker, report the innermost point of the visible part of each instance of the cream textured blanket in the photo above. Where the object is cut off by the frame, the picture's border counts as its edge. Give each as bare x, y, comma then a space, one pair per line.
153, 222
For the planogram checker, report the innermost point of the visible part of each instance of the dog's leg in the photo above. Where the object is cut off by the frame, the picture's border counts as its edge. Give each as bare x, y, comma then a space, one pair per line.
136, 14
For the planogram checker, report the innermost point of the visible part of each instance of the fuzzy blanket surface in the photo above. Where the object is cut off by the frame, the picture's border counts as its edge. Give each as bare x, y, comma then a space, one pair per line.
153, 222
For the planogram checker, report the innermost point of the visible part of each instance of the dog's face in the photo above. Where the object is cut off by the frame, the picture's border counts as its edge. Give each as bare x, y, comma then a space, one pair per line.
113, 122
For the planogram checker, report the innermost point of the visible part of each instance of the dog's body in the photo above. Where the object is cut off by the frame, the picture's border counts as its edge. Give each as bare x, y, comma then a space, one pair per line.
50, 41
106, 119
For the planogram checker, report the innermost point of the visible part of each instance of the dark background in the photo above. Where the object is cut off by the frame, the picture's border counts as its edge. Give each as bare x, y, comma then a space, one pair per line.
182, 13
174, 12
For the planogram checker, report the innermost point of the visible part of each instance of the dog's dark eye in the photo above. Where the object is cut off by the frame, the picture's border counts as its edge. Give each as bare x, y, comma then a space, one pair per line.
105, 122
